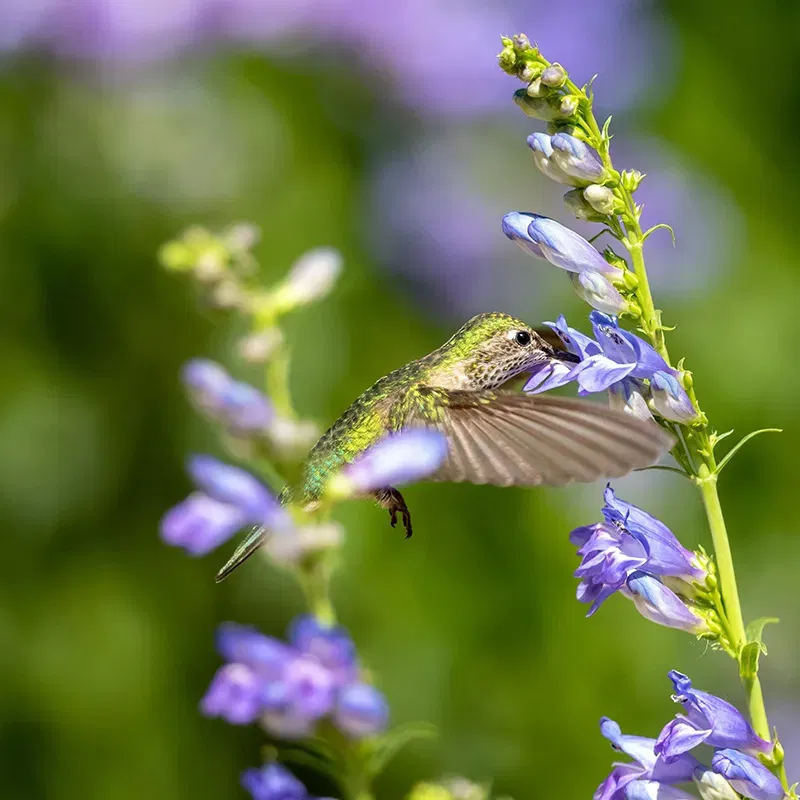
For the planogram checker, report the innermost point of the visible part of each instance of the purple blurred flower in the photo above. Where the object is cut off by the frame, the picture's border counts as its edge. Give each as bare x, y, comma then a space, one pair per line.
670, 398
290, 687
576, 159
708, 720
230, 499
238, 406
361, 710
273, 782
647, 766
747, 775
234, 695
397, 459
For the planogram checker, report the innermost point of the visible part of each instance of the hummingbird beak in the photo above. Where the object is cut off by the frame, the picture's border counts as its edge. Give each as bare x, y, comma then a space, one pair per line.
563, 355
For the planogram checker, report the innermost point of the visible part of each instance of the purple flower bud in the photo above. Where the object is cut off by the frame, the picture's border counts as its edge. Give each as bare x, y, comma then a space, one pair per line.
670, 398
554, 76
242, 644
330, 645
234, 695
206, 381
515, 227
542, 149
273, 782
575, 158
661, 605
653, 790
712, 786
566, 249
709, 720
199, 524
598, 291
361, 710
236, 487
397, 459
747, 775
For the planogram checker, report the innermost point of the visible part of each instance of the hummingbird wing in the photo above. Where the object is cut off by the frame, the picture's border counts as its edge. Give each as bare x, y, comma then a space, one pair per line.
520, 440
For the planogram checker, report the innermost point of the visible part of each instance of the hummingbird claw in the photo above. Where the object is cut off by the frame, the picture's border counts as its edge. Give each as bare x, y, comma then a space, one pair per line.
394, 503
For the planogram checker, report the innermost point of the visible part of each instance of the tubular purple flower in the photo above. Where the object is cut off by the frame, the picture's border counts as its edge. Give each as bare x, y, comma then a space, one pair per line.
670, 398
709, 720
515, 227
661, 605
273, 782
361, 710
566, 249
305, 691
330, 645
234, 695
628, 395
598, 291
575, 158
206, 381
542, 149
646, 767
548, 375
200, 524
747, 775
397, 459
241, 644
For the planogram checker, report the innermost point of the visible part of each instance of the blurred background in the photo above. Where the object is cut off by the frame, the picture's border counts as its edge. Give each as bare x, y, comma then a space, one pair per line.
387, 131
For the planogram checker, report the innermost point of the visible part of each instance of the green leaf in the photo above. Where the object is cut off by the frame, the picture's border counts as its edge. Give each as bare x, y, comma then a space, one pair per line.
665, 469
388, 745
652, 230
735, 449
756, 628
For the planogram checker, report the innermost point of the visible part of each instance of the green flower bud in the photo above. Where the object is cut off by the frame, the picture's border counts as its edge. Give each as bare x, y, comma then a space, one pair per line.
577, 204
602, 199
569, 105
555, 76
429, 791
521, 42
507, 58
537, 107
536, 89
530, 71
630, 179
618, 262
176, 256
778, 754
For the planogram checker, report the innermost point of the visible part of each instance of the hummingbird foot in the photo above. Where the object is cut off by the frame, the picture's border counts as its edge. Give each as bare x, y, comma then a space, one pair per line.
393, 502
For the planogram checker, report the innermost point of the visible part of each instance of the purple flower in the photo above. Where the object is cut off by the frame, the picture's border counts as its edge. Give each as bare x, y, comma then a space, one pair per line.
330, 645
576, 159
566, 249
708, 720
238, 406
647, 766
304, 693
361, 710
230, 499
670, 398
659, 604
397, 459
234, 695
747, 775
629, 396
515, 227
598, 291
273, 782
245, 645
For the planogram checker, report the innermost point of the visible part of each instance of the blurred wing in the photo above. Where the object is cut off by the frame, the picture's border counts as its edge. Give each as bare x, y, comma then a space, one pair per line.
519, 440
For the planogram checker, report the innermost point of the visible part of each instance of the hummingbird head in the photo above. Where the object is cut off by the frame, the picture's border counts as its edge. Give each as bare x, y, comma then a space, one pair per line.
493, 348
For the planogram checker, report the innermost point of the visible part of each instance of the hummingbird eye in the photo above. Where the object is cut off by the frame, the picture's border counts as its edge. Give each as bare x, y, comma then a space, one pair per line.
522, 338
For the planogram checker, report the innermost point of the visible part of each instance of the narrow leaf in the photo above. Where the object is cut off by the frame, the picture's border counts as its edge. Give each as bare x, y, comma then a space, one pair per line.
390, 743
652, 230
735, 449
756, 628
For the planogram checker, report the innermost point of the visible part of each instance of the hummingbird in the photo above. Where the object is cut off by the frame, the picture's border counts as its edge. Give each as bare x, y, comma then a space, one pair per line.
495, 436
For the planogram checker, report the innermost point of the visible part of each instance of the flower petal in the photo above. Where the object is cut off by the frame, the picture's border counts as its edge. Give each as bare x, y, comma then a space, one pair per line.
199, 524
747, 775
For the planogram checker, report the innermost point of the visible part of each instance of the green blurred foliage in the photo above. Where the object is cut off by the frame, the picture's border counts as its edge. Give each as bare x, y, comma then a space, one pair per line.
106, 635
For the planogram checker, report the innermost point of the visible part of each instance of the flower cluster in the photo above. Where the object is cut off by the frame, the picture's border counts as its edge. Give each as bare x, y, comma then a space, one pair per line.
622, 363
290, 687
633, 553
659, 765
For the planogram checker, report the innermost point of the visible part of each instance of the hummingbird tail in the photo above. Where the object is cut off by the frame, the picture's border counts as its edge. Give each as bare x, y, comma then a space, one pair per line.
253, 541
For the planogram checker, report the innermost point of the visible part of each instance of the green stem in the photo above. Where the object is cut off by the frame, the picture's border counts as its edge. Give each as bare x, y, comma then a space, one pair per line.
277, 380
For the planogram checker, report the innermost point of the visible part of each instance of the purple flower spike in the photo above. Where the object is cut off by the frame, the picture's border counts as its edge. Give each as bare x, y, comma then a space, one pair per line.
747, 775
273, 782
709, 720
670, 398
566, 249
330, 645
654, 601
361, 710
515, 227
234, 695
398, 459
576, 159
200, 524
653, 790
647, 765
